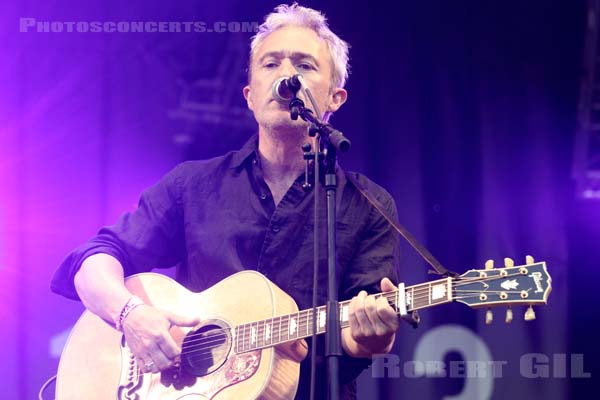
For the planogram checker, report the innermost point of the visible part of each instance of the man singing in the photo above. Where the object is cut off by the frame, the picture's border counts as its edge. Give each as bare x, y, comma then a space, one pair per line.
248, 209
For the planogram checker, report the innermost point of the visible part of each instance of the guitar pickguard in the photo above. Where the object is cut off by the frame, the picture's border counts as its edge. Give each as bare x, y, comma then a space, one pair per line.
174, 383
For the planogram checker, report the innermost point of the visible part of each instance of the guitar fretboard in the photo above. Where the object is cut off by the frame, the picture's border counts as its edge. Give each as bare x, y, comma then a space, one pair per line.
284, 328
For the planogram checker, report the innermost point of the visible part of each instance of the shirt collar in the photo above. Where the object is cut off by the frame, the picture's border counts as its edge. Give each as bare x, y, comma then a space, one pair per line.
248, 151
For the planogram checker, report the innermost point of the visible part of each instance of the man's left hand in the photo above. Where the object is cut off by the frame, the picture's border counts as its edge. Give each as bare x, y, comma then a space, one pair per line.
373, 324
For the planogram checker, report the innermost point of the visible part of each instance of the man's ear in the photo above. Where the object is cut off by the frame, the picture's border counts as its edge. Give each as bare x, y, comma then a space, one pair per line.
248, 96
338, 97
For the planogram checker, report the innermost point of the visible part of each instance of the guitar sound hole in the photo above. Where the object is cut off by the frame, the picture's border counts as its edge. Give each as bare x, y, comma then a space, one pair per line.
205, 349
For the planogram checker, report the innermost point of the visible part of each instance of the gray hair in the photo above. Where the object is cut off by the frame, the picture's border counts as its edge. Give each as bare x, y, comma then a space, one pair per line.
295, 15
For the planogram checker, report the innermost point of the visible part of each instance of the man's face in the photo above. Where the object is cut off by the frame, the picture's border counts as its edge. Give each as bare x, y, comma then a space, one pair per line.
285, 52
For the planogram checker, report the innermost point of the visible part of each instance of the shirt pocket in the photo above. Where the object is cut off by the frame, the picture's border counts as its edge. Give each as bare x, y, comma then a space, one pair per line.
302, 273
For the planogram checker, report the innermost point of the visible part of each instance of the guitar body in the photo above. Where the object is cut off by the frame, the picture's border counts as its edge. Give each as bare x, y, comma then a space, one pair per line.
248, 344
96, 363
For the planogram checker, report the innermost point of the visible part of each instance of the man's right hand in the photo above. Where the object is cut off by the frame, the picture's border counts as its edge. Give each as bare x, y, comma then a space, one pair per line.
146, 330
100, 285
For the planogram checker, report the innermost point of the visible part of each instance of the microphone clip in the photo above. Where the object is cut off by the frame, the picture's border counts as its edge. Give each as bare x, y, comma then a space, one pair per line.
296, 108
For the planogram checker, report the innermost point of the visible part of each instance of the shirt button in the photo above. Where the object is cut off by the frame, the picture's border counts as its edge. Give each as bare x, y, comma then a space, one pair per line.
263, 196
275, 228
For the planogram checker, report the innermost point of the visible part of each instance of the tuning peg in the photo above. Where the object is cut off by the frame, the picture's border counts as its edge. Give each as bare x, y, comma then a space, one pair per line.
489, 317
489, 264
509, 262
529, 260
509, 315
529, 314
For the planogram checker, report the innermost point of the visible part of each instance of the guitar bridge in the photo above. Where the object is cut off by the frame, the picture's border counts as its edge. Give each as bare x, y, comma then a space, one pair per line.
131, 378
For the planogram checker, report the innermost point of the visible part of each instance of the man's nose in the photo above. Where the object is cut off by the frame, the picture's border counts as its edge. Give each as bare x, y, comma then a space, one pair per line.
287, 68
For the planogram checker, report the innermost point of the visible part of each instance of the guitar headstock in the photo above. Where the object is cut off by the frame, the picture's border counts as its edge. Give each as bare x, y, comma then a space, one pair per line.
528, 284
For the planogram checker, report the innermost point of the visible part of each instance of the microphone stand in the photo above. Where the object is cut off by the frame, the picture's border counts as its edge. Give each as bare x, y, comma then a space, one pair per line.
328, 142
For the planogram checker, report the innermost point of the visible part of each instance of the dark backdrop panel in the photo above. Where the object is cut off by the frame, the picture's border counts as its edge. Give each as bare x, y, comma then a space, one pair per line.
464, 110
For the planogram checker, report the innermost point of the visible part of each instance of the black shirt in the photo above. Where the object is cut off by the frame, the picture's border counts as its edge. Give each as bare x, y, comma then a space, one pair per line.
213, 218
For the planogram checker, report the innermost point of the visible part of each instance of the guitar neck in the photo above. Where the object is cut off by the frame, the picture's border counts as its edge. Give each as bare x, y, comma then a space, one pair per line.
284, 328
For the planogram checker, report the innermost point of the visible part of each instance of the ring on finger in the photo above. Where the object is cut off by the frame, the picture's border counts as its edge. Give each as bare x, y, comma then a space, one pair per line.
149, 366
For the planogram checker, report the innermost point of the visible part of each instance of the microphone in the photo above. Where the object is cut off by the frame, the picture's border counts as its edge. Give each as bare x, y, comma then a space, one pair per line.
285, 89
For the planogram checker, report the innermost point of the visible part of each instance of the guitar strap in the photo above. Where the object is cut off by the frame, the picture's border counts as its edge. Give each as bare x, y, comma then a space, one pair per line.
423, 252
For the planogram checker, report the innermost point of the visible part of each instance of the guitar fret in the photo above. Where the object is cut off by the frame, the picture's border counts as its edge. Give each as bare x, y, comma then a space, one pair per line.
344, 314
301, 323
254, 335
255, 341
260, 338
249, 335
438, 292
237, 339
298, 324
268, 332
243, 335
322, 320
291, 324
260, 334
284, 328
306, 322
423, 301
246, 338
279, 331
241, 338
429, 294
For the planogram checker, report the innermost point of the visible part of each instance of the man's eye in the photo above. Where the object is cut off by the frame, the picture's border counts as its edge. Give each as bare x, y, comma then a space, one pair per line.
306, 66
270, 65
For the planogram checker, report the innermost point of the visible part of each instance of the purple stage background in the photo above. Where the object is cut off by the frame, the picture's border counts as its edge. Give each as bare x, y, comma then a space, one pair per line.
464, 112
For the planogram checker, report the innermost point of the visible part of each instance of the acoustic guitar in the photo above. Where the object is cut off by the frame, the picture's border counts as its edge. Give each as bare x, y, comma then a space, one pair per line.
246, 345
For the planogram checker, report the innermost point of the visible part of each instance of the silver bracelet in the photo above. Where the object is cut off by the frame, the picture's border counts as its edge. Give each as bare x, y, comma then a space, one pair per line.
132, 303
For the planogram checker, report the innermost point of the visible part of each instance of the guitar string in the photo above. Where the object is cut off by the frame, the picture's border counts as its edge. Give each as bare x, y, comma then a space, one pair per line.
304, 316
304, 324
201, 352
417, 292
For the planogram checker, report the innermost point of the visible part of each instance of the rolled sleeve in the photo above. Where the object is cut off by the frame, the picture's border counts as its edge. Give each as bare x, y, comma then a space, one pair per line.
149, 237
